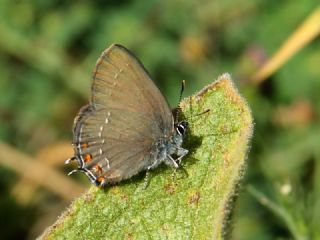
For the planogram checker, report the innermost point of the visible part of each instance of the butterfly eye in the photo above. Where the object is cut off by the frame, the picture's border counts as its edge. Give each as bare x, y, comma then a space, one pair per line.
182, 127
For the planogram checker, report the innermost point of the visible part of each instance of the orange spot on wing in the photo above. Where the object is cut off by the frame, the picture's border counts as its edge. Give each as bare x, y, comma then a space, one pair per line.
84, 145
101, 181
87, 157
97, 168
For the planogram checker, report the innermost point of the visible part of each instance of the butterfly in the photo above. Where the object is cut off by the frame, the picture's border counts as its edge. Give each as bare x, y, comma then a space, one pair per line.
128, 126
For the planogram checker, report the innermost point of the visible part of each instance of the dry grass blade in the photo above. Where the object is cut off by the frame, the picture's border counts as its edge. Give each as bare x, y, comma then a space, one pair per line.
39, 173
52, 155
308, 31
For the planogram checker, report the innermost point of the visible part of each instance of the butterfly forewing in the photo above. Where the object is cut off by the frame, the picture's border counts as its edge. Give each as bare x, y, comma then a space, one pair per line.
115, 134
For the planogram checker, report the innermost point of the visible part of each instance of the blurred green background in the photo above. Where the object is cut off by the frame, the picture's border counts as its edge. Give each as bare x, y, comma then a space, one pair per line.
48, 50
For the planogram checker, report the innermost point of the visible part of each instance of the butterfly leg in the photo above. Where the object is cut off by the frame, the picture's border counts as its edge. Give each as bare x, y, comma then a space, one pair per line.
147, 177
181, 152
146, 180
172, 162
153, 165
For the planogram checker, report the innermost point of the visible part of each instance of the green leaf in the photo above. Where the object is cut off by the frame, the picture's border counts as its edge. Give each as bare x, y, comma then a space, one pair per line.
196, 204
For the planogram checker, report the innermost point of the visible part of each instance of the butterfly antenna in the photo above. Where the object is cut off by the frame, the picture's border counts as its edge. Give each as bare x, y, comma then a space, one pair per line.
197, 115
183, 83
204, 112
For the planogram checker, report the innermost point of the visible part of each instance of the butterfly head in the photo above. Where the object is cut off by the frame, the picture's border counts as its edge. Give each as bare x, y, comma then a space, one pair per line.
181, 128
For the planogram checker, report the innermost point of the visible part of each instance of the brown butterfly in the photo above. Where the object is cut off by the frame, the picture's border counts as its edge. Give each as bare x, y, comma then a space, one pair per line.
128, 126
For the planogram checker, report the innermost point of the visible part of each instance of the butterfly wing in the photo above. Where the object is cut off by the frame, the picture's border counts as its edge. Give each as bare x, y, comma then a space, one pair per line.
115, 135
